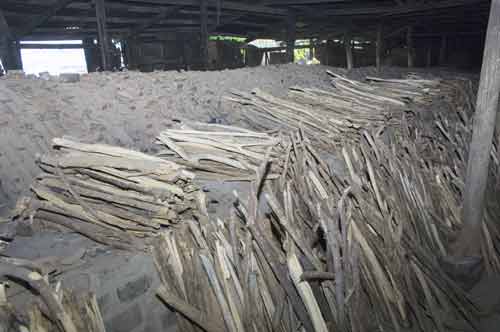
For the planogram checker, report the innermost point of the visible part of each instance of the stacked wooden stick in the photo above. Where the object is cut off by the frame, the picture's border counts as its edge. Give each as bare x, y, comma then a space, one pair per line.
360, 253
110, 194
59, 309
337, 114
220, 152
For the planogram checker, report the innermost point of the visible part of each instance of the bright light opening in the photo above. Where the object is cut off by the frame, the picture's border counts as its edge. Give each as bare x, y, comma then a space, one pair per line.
54, 61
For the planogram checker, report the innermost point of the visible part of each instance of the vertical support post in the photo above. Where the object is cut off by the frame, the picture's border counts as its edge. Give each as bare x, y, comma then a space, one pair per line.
88, 45
428, 58
348, 50
482, 136
379, 47
409, 46
290, 36
10, 51
442, 50
311, 49
204, 32
102, 31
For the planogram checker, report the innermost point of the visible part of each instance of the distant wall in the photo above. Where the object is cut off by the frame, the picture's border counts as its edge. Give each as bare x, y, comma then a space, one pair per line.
172, 51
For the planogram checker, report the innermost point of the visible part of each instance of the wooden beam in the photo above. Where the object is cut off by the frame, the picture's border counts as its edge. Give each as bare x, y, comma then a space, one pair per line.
409, 46
379, 46
482, 136
51, 46
291, 32
204, 32
348, 50
164, 14
35, 23
102, 32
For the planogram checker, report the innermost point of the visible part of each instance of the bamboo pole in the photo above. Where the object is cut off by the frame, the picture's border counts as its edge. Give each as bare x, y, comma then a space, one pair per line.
482, 136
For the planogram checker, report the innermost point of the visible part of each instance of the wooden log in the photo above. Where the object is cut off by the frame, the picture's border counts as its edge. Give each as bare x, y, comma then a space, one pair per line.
482, 137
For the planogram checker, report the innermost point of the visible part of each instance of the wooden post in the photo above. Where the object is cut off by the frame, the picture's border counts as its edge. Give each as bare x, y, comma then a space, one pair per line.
204, 33
442, 51
428, 60
379, 47
102, 31
348, 50
409, 46
290, 37
311, 49
482, 136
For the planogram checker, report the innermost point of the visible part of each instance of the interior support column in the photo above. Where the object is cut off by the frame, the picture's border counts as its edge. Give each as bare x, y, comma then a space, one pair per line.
379, 47
102, 31
290, 37
442, 50
409, 46
348, 50
428, 59
204, 33
482, 136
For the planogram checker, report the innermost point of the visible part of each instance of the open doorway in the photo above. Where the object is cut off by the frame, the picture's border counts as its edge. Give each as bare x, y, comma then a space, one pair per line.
55, 57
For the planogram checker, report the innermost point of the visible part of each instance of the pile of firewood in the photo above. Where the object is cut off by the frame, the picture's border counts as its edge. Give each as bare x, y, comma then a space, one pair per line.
339, 114
220, 152
110, 194
364, 252
58, 309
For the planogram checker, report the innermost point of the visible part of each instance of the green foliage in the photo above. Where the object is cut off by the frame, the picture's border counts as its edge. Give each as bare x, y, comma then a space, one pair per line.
301, 54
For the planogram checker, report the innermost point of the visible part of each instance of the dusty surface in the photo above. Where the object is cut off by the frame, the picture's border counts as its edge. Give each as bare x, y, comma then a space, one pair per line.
127, 109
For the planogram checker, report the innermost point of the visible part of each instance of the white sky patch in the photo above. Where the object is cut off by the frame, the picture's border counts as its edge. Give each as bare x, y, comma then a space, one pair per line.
52, 42
55, 61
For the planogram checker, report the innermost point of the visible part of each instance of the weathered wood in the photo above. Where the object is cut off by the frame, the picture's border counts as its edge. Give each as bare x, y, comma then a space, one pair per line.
291, 33
43, 18
379, 46
100, 10
482, 137
409, 46
348, 50
204, 32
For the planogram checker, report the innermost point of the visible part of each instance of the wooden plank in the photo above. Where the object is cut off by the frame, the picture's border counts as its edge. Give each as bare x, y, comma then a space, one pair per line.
40, 20
102, 33
204, 32
482, 136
